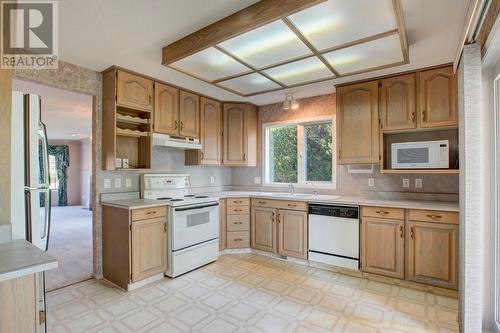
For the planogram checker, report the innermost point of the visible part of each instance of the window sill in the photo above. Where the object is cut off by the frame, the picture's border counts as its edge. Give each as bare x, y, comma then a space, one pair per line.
303, 186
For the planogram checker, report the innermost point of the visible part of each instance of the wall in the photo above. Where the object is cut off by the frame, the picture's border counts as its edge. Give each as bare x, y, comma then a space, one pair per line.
5, 130
435, 187
73, 173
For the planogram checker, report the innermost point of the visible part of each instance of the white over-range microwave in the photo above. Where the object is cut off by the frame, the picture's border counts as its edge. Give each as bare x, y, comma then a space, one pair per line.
421, 155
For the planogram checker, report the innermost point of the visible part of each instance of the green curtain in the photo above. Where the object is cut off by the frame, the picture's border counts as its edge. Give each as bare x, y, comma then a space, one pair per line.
61, 153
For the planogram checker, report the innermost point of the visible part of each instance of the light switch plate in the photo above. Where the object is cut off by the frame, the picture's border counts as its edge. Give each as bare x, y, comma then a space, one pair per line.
107, 183
371, 182
256, 180
418, 182
128, 182
212, 180
118, 182
406, 183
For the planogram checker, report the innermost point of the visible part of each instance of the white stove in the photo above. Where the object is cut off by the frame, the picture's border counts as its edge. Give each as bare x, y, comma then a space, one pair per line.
193, 222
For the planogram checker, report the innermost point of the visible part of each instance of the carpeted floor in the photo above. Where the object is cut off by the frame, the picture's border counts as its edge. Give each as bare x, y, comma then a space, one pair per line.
71, 243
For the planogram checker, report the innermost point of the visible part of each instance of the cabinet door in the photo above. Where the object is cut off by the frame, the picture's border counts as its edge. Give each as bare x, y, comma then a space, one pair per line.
382, 247
398, 103
134, 91
166, 115
148, 248
292, 231
432, 253
189, 114
357, 123
438, 98
263, 229
211, 122
234, 135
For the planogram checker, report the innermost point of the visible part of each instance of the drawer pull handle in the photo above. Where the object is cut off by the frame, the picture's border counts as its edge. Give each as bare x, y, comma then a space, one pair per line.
432, 216
151, 212
237, 201
237, 210
238, 222
382, 212
238, 240
292, 205
262, 202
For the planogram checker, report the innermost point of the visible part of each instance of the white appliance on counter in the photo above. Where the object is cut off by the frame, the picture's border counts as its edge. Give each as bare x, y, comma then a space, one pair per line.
334, 235
30, 193
421, 155
193, 222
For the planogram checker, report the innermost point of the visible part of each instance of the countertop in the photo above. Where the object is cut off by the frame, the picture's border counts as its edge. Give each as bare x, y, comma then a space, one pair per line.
406, 204
19, 258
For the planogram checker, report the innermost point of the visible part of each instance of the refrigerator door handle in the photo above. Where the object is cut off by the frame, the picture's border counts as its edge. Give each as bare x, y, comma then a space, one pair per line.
46, 222
42, 130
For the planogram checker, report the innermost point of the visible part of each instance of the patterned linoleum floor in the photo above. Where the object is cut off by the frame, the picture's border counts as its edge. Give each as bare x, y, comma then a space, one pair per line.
251, 293
70, 242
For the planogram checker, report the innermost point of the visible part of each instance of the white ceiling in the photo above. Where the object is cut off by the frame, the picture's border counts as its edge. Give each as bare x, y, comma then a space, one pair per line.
97, 34
67, 115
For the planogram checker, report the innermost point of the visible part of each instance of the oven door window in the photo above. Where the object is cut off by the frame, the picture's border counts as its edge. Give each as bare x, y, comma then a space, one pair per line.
196, 219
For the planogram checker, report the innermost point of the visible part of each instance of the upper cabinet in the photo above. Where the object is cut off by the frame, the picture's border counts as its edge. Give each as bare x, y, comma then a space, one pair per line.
357, 123
438, 98
398, 102
134, 91
189, 114
166, 115
239, 134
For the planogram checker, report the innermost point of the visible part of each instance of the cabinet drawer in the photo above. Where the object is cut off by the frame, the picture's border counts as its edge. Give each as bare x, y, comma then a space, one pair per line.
238, 210
383, 212
148, 213
433, 216
238, 222
238, 202
238, 239
280, 204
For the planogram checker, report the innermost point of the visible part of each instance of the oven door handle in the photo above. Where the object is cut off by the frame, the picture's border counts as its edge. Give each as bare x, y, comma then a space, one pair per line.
183, 209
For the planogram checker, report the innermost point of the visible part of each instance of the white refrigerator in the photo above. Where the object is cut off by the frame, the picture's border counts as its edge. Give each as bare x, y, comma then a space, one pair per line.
30, 192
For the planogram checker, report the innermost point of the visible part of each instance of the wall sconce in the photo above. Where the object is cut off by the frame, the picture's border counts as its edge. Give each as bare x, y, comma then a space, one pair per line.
290, 102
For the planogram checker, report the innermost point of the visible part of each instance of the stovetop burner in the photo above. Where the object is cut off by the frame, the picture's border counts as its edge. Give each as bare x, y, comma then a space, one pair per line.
164, 198
174, 200
201, 196
189, 196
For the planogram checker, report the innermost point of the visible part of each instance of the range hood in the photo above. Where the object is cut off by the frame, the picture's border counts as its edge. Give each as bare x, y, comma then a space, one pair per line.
163, 140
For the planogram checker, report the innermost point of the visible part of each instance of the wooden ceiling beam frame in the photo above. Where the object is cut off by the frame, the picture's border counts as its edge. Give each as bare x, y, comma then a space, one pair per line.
360, 41
400, 22
311, 47
249, 18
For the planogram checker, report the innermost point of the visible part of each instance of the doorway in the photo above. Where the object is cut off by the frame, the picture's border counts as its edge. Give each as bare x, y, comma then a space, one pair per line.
68, 118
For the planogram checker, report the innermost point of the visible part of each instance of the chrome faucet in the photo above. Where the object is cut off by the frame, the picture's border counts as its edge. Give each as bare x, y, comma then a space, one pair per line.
291, 189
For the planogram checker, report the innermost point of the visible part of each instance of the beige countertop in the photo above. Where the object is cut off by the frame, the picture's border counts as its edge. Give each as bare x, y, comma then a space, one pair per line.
20, 258
310, 198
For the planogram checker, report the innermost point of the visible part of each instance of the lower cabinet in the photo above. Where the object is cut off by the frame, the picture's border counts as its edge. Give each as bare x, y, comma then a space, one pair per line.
237, 223
134, 243
282, 231
433, 253
383, 247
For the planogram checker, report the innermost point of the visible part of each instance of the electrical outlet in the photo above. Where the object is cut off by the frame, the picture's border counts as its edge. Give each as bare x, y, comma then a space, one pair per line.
418, 182
371, 182
212, 180
256, 180
128, 182
118, 182
107, 183
406, 183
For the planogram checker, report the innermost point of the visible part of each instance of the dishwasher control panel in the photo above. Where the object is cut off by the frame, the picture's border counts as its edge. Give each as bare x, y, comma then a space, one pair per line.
350, 212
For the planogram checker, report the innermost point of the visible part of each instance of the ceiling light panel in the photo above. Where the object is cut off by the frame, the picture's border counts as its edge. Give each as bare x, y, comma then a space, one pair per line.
336, 22
301, 71
210, 64
249, 84
366, 56
267, 45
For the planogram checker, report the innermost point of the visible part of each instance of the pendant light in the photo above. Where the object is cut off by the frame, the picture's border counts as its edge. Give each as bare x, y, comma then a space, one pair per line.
290, 102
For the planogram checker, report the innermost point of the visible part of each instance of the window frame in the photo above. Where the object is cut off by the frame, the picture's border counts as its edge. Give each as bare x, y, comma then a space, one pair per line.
301, 153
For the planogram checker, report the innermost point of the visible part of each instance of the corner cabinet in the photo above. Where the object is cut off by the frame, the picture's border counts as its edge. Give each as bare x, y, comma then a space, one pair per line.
166, 111
239, 134
398, 102
358, 123
438, 98
189, 114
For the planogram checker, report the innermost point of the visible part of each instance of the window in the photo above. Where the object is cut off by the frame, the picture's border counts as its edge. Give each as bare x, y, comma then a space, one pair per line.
53, 181
299, 153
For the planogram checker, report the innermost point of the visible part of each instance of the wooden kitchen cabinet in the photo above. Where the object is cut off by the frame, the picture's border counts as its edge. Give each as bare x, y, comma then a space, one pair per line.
292, 233
438, 98
357, 123
148, 248
263, 229
237, 223
382, 246
239, 134
166, 110
189, 114
398, 102
210, 135
433, 253
222, 224
134, 91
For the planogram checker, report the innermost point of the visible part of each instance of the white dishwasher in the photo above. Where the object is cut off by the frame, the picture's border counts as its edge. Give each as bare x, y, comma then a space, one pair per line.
334, 235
